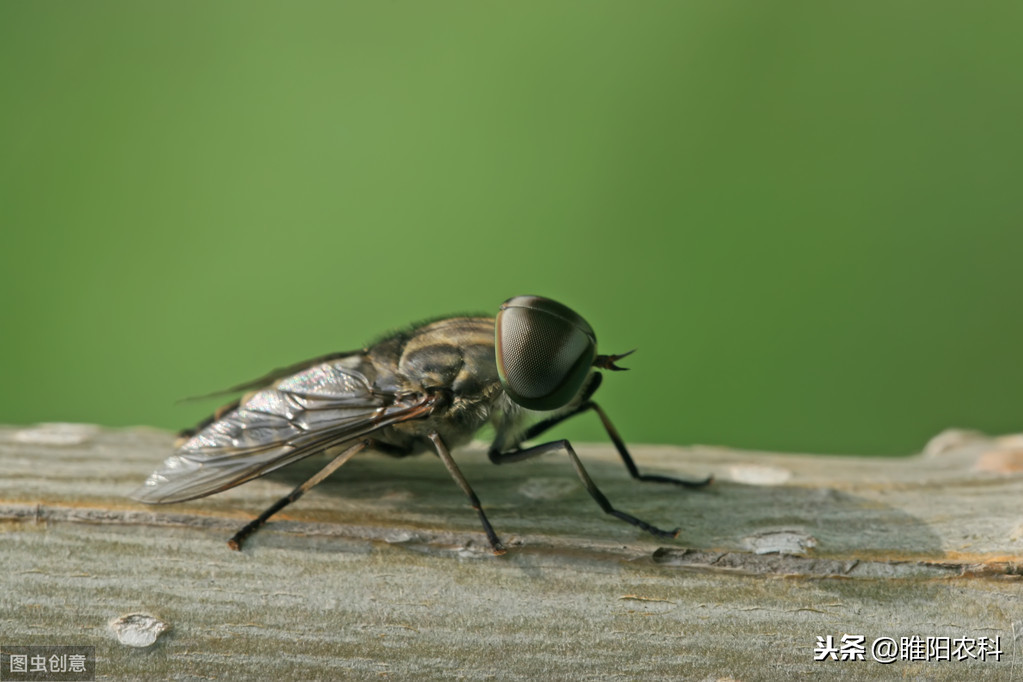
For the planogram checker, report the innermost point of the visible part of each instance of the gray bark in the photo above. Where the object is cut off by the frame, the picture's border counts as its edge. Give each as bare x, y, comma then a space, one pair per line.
383, 570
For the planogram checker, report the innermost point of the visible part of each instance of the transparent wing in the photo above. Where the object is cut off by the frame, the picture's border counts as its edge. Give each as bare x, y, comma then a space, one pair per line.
323, 406
270, 377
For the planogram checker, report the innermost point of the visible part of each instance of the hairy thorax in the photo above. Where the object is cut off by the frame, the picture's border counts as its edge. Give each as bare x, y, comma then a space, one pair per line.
453, 358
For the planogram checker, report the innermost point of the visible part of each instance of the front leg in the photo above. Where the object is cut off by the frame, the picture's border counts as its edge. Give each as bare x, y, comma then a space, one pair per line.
537, 429
517, 455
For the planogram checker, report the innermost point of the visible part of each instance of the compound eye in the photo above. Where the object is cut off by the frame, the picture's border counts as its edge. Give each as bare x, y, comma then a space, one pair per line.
544, 352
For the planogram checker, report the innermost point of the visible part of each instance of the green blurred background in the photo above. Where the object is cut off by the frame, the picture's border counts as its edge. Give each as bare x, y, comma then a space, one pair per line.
806, 215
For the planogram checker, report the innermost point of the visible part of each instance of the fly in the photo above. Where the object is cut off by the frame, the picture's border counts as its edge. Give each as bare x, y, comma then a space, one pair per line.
426, 389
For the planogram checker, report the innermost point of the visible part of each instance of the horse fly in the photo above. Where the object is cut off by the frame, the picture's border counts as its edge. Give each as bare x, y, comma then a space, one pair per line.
428, 388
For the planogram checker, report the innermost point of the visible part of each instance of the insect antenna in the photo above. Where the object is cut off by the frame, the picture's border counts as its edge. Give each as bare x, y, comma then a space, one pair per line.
608, 361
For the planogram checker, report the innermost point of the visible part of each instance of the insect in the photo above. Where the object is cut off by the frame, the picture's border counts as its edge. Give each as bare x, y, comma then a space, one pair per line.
428, 388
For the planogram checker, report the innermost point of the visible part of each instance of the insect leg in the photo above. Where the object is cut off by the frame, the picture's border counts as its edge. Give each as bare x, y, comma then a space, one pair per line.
591, 487
445, 456
540, 427
612, 433
238, 538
